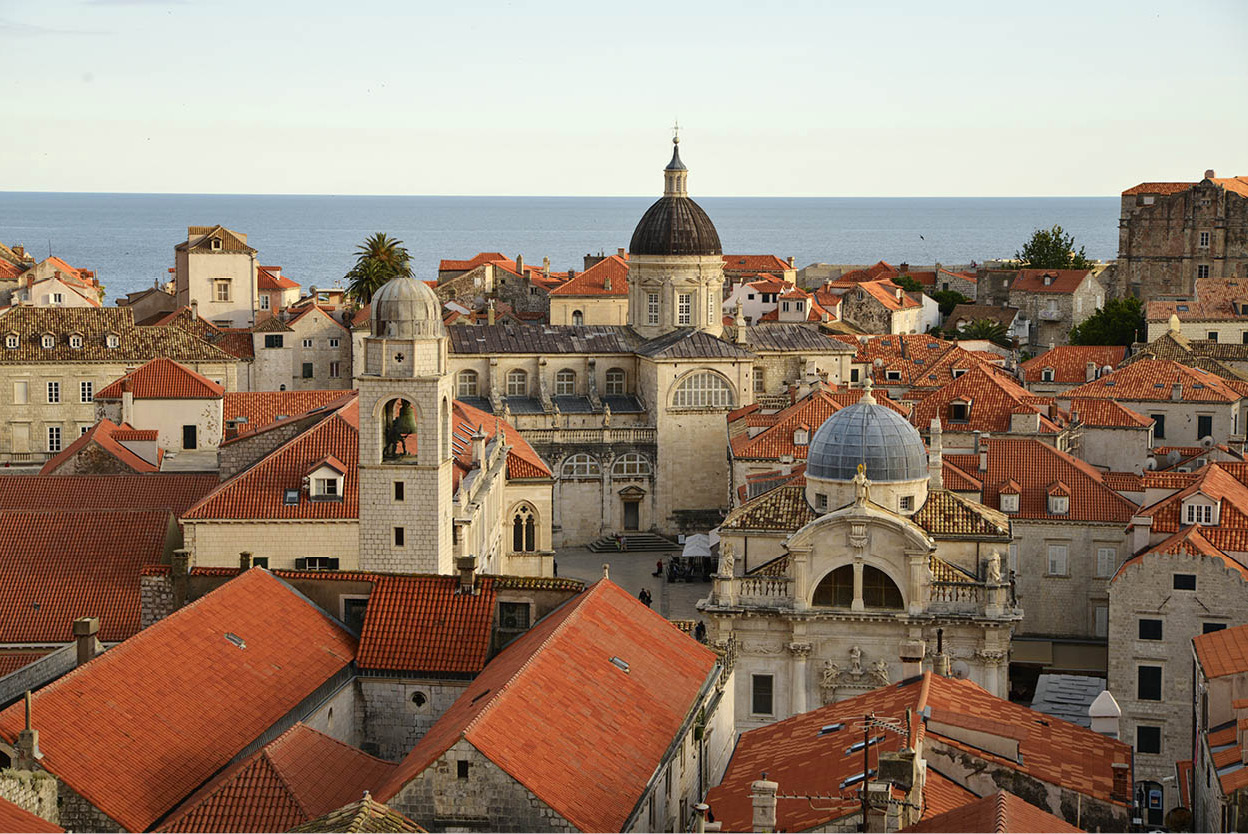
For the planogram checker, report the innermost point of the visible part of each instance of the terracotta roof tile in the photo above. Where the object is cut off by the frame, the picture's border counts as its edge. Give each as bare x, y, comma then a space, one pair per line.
163, 379
991, 398
1002, 813
199, 239
135, 344
105, 435
1223, 652
105, 492
1216, 299
421, 624
1070, 362
947, 515
10, 662
1222, 482
810, 411
1060, 280
958, 479
523, 461
592, 777
297, 777
259, 409
755, 263
592, 282
1158, 188
472, 263
13, 818
214, 695
1106, 414
366, 815
1190, 541
886, 293
942, 794
782, 509
1035, 467
271, 278
1153, 380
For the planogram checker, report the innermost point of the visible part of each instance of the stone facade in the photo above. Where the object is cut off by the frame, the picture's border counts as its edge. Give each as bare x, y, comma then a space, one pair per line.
1171, 233
215, 273
320, 352
1051, 315
399, 711
592, 309
31, 790
218, 542
1144, 593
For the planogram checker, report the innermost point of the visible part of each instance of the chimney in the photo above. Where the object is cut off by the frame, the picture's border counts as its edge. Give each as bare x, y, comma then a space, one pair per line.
1105, 714
489, 311
792, 263
935, 457
699, 817
738, 321
606, 282
20, 251
546, 266
911, 654
194, 308
180, 569
940, 660
478, 448
28, 753
85, 629
1176, 392
620, 251
520, 264
1089, 372
466, 567
1208, 175
763, 798
244, 560
1141, 532
127, 402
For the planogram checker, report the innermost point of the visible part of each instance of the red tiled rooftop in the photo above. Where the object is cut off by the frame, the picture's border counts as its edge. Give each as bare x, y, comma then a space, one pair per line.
1035, 466
991, 400
593, 281
163, 379
271, 278
1000, 813
214, 696
1221, 482
475, 261
811, 412
1153, 380
421, 624
523, 461
592, 774
259, 409
1060, 280
109, 437
1070, 362
1223, 652
1106, 414
755, 263
105, 492
13, 818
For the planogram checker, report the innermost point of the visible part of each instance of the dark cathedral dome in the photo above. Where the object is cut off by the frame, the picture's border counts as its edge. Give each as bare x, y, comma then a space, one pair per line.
675, 224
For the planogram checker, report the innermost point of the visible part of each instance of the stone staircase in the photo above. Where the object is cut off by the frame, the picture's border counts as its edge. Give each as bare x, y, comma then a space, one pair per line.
634, 543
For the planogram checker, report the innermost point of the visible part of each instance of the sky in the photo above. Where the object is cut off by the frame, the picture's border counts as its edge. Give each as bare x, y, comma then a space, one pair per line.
789, 99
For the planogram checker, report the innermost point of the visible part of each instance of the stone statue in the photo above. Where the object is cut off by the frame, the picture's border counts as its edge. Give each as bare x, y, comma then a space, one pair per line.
727, 559
862, 487
831, 672
606, 416
879, 671
994, 568
855, 661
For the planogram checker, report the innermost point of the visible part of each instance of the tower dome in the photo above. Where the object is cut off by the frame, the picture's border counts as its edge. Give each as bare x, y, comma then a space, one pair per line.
675, 224
405, 308
870, 434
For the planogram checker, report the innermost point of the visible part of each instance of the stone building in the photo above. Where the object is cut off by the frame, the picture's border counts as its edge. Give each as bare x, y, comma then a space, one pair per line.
821, 579
1214, 313
1064, 366
1171, 234
216, 272
182, 406
1219, 777
599, 295
1053, 301
884, 307
1159, 600
55, 359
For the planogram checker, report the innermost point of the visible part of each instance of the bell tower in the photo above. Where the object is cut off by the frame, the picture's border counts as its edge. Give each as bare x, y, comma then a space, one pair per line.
405, 396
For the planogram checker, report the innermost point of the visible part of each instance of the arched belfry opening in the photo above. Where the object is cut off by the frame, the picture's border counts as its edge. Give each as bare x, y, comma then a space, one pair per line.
878, 591
399, 431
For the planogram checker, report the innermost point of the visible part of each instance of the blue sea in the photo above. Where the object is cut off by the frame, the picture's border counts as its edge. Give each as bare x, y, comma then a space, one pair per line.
128, 239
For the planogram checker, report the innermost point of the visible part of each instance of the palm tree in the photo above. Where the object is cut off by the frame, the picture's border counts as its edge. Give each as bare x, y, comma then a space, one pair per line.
379, 259
985, 329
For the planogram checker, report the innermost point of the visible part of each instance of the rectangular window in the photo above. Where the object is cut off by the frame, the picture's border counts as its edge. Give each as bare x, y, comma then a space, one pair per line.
307, 343
21, 392
221, 290
684, 308
58, 298
333, 343
327, 487
907, 503
272, 340
1185, 582
1159, 426
264, 301
1198, 514
1204, 239
1212, 335
853, 374
513, 616
1101, 617
785, 306
1147, 739
307, 370
821, 502
1057, 560
1202, 271
54, 392
398, 537
86, 392
1148, 683
1204, 425
54, 438
461, 769
83, 429
761, 694
398, 490
317, 563
1150, 629
335, 370
1105, 559
652, 308
758, 381
1209, 628
259, 561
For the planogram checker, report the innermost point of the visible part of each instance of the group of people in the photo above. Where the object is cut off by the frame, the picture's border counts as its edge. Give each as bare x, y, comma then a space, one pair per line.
644, 596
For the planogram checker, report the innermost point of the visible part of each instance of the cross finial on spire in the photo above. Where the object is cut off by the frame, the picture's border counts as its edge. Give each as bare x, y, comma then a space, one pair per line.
676, 132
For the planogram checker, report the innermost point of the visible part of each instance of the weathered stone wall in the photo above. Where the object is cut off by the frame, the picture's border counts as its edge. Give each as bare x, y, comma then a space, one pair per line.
236, 456
31, 790
218, 543
78, 814
488, 799
155, 598
92, 460
397, 713
863, 311
341, 717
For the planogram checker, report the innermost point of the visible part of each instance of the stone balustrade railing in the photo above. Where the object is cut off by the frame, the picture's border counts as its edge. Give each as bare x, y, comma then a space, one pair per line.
623, 434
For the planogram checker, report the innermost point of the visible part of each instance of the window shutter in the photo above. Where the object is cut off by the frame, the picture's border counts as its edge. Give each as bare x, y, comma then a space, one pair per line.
333, 564
301, 564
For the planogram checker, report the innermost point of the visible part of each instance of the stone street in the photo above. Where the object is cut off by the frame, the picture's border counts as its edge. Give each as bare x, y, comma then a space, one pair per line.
633, 571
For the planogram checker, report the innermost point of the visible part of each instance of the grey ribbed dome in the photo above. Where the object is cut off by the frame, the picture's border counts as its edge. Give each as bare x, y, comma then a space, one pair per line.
871, 434
675, 226
405, 308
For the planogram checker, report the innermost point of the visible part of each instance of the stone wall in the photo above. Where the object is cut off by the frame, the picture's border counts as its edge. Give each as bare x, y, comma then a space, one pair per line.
78, 814
487, 799
393, 720
863, 311
156, 598
34, 791
218, 543
237, 455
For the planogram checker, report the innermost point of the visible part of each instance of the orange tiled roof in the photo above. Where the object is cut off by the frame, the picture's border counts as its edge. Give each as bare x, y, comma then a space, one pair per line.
219, 673
875, 272
1237, 184
941, 794
108, 436
1190, 541
811, 411
755, 263
592, 774
957, 479
1106, 414
1223, 652
1001, 813
421, 624
593, 280
174, 493
523, 461
1216, 299
317, 309
1070, 362
1153, 380
163, 379
886, 293
1222, 482
1035, 467
13, 818
271, 278
472, 263
991, 398
259, 409
783, 509
10, 662
946, 514
807, 759
299, 776
1061, 280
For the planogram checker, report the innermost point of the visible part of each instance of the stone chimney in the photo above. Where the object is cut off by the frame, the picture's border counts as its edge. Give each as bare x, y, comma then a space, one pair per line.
520, 264
940, 660
28, 752
85, 629
244, 560
738, 321
1089, 372
606, 282
489, 311
792, 262
911, 654
546, 266
20, 251
180, 570
1209, 174
1105, 714
194, 308
478, 448
763, 798
935, 457
466, 567
1176, 392
127, 402
620, 251
1141, 532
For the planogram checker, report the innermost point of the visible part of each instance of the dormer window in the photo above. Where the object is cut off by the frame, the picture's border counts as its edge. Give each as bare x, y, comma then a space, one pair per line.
959, 411
112, 340
1200, 512
216, 243
957, 372
1059, 504
893, 376
326, 488
11, 341
1009, 503
801, 436
325, 480
47, 341
1048, 279
1046, 375
75, 342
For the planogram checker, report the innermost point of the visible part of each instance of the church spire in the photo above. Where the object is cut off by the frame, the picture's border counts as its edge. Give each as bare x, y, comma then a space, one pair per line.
675, 173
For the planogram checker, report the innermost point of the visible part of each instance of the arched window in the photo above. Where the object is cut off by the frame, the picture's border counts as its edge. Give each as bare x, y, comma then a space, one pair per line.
467, 384
615, 381
578, 317
703, 389
565, 382
631, 465
580, 466
837, 589
517, 383
398, 430
48, 340
11, 340
524, 530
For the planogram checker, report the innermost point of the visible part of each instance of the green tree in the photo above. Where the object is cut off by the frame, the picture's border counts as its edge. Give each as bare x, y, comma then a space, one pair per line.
986, 329
1119, 322
948, 299
378, 259
1052, 249
908, 284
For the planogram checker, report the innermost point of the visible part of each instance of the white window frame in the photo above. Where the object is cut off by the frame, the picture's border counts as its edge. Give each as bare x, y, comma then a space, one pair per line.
684, 308
58, 298
652, 308
617, 380
1203, 240
334, 342
466, 382
1009, 502
702, 389
307, 344
565, 382
517, 382
75, 342
1202, 270
112, 340
1059, 504
47, 341
54, 392
631, 465
54, 438
86, 391
219, 284
580, 466
1059, 560
1106, 557
1198, 513
11, 341
264, 301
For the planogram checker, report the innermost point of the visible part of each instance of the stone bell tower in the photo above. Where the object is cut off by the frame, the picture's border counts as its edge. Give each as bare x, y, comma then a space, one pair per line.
405, 397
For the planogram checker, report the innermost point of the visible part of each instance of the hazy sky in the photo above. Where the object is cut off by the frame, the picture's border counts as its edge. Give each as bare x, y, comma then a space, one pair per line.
868, 98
